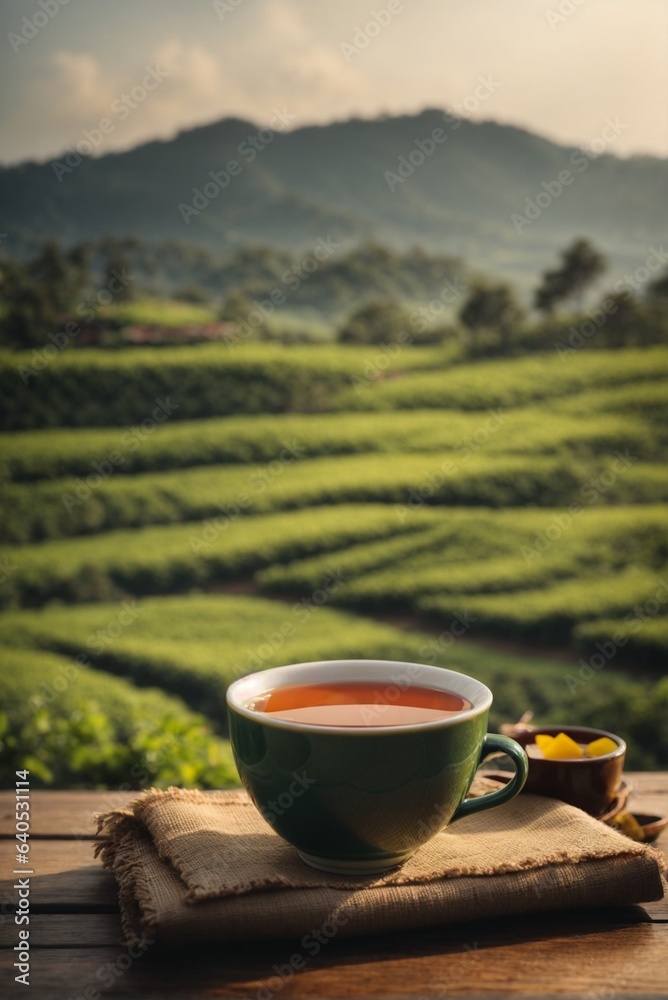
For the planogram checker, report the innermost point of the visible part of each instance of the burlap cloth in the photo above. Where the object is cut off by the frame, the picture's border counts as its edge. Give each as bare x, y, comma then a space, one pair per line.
205, 867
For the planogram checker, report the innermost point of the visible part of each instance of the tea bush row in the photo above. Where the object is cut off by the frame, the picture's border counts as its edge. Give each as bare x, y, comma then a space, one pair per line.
444, 538
592, 545
51, 453
64, 507
472, 550
550, 614
514, 382
175, 558
640, 640
96, 387
408, 481
645, 399
546, 568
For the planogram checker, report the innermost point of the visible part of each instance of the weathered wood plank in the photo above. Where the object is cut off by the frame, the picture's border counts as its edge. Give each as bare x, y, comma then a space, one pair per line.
66, 877
86, 930
648, 781
66, 930
623, 962
61, 814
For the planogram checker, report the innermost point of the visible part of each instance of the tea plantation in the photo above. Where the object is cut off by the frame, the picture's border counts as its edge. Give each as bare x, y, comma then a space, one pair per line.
174, 518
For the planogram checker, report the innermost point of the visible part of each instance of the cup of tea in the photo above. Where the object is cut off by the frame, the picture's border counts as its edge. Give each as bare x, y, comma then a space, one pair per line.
357, 763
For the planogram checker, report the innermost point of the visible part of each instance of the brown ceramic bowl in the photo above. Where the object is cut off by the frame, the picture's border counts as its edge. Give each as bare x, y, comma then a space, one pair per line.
590, 783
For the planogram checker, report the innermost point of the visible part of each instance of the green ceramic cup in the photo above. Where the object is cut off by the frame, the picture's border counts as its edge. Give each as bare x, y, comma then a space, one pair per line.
361, 800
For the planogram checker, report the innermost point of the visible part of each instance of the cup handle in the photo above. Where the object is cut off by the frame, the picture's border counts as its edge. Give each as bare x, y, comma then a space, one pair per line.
498, 744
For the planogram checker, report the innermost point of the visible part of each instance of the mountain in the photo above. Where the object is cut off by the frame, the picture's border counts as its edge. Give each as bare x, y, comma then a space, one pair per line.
467, 188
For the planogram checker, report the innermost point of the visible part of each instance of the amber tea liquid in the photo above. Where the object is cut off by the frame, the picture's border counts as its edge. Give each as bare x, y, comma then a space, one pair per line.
359, 704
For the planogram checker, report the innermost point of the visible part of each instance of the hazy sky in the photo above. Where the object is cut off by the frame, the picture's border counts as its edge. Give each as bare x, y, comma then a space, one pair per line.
558, 73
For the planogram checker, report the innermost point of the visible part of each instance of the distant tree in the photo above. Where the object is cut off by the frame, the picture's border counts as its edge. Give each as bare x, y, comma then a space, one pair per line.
632, 322
657, 290
380, 321
581, 265
39, 296
194, 294
118, 267
549, 293
235, 307
493, 308
624, 321
24, 316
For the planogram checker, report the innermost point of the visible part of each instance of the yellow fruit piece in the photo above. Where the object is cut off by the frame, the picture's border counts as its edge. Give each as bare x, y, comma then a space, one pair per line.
562, 747
543, 741
628, 824
601, 746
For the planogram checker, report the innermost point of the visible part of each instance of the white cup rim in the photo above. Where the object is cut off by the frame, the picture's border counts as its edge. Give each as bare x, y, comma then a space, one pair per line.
243, 690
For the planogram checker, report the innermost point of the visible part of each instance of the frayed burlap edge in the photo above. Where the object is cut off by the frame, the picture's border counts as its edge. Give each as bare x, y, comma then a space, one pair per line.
122, 857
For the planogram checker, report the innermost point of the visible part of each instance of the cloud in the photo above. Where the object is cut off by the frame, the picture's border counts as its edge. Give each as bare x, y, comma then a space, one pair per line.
191, 87
78, 87
289, 67
309, 74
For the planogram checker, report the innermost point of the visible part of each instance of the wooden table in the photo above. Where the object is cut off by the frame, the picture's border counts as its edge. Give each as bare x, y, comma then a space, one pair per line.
76, 950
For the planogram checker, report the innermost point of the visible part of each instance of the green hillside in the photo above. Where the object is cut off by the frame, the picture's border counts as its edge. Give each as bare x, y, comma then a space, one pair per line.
506, 518
332, 181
